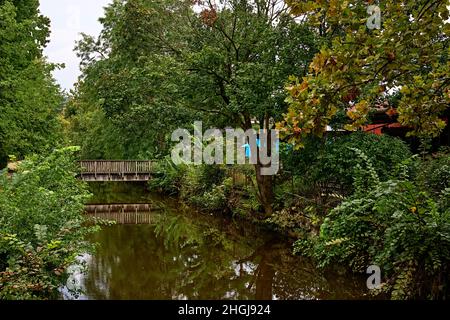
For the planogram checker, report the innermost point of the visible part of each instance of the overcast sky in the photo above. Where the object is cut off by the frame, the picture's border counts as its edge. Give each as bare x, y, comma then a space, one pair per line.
68, 19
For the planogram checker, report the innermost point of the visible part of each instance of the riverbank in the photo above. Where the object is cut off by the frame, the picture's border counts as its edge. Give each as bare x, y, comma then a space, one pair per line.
355, 200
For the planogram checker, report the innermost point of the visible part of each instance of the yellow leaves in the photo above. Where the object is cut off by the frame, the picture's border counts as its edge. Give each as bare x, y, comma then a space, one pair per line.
332, 111
291, 114
358, 114
296, 90
300, 7
405, 90
420, 107
333, 8
360, 109
324, 62
304, 86
377, 62
319, 61
418, 81
336, 242
292, 90
351, 127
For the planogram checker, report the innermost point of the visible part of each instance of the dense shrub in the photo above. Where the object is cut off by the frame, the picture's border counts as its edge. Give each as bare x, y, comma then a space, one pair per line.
333, 160
435, 173
203, 186
167, 177
41, 225
396, 225
214, 200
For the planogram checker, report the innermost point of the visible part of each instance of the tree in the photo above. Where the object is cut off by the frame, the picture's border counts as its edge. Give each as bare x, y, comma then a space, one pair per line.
240, 54
125, 105
358, 68
29, 98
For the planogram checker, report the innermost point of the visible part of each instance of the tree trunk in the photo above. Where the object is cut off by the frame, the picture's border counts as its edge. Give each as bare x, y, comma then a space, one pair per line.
265, 188
264, 183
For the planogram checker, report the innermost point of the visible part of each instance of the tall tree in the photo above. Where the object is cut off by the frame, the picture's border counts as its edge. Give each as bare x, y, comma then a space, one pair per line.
359, 67
239, 56
126, 97
29, 98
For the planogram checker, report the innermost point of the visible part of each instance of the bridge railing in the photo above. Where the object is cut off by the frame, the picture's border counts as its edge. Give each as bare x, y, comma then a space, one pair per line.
115, 167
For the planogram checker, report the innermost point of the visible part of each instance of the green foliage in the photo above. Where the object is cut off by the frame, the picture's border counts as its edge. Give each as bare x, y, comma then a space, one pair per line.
340, 161
240, 55
208, 187
357, 67
41, 225
167, 177
126, 105
396, 225
89, 128
29, 97
335, 160
214, 200
202, 186
435, 173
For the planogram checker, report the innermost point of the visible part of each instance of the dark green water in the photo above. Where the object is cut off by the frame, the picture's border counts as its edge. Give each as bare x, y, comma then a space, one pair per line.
183, 254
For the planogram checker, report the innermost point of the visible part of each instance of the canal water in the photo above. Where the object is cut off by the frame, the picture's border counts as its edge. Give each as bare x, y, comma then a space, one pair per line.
162, 249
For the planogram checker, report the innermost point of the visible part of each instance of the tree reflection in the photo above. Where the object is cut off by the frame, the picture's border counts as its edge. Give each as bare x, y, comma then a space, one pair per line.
193, 256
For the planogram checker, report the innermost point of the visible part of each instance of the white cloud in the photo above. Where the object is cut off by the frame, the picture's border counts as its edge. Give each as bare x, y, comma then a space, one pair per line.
69, 18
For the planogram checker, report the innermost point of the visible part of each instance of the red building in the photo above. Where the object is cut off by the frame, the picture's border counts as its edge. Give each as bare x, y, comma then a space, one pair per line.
384, 121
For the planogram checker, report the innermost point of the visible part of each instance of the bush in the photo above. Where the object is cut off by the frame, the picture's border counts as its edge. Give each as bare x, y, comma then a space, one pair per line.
396, 225
435, 173
333, 161
41, 225
338, 161
214, 200
167, 177
203, 186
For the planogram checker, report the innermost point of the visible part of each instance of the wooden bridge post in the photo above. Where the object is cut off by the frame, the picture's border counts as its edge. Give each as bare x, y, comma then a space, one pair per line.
136, 170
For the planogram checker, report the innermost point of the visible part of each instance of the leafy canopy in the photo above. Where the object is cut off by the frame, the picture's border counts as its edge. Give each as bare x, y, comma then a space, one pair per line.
358, 69
29, 97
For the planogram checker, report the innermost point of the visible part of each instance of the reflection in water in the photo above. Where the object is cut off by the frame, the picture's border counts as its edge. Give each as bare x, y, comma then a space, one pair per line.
123, 213
182, 254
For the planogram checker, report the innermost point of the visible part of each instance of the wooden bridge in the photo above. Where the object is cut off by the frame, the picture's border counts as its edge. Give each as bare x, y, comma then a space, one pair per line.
120, 170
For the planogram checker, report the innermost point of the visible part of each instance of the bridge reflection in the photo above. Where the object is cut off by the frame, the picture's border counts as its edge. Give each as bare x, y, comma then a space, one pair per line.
124, 213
